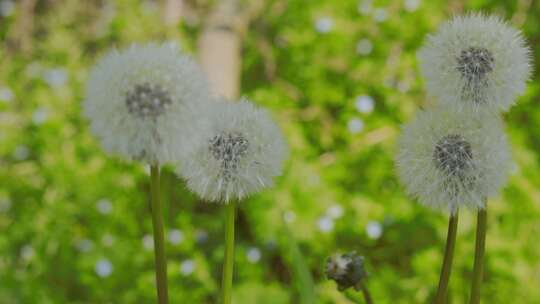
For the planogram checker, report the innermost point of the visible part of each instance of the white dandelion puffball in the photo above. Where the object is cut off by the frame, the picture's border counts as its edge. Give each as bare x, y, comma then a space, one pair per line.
240, 151
449, 159
140, 101
476, 62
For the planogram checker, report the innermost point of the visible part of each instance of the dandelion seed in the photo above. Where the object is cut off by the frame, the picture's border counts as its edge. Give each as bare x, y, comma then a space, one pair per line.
141, 102
476, 62
449, 159
240, 153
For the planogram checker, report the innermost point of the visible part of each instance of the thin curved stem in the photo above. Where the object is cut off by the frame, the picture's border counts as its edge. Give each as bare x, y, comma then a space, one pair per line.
478, 270
367, 295
228, 264
446, 270
159, 240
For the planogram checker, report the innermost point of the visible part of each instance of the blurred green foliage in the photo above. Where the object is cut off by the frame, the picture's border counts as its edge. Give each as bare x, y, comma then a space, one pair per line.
75, 224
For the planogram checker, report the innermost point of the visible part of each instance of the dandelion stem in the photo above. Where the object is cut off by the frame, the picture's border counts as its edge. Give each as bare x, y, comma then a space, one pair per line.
440, 298
478, 270
228, 264
367, 295
159, 247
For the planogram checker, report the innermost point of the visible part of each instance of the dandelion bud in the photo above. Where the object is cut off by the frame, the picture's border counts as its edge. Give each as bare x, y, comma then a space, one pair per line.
346, 269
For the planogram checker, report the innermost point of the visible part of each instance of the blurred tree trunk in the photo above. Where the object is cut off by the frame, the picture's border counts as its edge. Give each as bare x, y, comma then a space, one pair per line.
172, 12
220, 48
20, 35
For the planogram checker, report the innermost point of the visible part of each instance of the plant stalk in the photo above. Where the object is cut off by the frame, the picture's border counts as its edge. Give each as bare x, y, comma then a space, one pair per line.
478, 270
442, 290
228, 264
367, 295
159, 240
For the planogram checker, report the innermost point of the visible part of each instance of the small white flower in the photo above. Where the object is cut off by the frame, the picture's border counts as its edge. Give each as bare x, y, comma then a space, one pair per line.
476, 62
412, 5
103, 268
364, 47
40, 116
380, 15
104, 206
253, 255
355, 125
148, 242
364, 104
335, 211
56, 77
325, 224
141, 101
239, 152
324, 25
187, 267
6, 94
176, 236
374, 230
84, 245
289, 216
449, 159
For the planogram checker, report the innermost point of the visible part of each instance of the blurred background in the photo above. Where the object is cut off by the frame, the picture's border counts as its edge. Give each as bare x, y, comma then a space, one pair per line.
339, 77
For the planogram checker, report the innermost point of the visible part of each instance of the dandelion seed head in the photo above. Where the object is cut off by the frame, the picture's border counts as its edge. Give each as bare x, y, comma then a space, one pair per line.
476, 62
147, 100
141, 102
452, 155
240, 152
449, 159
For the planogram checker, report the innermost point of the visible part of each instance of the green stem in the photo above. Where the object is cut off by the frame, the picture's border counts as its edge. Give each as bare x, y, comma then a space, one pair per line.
440, 298
478, 270
228, 264
159, 242
367, 295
